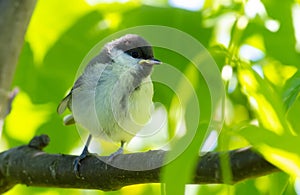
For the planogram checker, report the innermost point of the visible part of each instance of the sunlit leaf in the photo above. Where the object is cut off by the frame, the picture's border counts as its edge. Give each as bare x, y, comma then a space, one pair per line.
277, 73
22, 189
256, 41
44, 29
264, 100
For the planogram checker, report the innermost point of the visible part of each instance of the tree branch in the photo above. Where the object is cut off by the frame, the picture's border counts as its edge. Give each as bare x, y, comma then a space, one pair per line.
31, 166
14, 19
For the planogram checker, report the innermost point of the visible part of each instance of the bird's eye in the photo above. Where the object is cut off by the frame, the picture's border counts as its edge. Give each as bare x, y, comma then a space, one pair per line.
134, 54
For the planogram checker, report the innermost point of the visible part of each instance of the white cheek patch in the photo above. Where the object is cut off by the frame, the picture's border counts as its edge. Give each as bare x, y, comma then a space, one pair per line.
122, 58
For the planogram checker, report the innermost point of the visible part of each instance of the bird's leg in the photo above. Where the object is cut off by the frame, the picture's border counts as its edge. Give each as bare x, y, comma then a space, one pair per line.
116, 153
83, 155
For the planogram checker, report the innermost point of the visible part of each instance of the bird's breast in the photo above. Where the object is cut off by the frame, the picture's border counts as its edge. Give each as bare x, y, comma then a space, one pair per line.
123, 109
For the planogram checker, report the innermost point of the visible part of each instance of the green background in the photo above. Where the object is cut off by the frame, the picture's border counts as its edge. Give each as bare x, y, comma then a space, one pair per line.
262, 105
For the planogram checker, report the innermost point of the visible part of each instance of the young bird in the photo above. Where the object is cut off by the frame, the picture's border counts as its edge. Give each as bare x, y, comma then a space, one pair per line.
113, 97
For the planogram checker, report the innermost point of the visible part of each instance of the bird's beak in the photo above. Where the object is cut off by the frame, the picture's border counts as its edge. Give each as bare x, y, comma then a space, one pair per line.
150, 62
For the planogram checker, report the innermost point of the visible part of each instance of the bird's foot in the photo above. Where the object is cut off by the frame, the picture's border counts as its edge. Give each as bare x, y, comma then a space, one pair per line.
116, 153
78, 159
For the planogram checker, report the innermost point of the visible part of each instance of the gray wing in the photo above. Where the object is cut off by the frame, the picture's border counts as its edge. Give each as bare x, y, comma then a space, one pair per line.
64, 104
67, 103
102, 58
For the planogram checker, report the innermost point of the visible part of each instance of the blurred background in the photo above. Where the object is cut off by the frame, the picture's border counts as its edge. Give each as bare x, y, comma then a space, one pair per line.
255, 44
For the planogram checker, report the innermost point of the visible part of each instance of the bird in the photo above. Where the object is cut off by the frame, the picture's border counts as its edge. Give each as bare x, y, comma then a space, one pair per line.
112, 98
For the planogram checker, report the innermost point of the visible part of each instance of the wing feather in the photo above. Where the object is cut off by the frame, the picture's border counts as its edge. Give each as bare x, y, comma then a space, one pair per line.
69, 120
64, 104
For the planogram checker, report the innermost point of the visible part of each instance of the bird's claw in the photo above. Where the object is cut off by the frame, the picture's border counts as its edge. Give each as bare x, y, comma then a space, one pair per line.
77, 160
76, 165
113, 155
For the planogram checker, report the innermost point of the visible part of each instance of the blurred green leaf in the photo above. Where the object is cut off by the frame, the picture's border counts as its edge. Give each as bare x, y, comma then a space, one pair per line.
175, 184
280, 150
293, 116
266, 103
216, 189
291, 100
44, 27
249, 187
277, 73
291, 90
29, 117
277, 44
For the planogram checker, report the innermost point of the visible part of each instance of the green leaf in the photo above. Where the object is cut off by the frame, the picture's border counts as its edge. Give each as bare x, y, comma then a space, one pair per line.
267, 104
45, 28
291, 90
280, 150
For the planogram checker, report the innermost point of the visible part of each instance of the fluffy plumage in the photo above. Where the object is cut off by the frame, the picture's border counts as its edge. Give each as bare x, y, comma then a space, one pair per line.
113, 97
